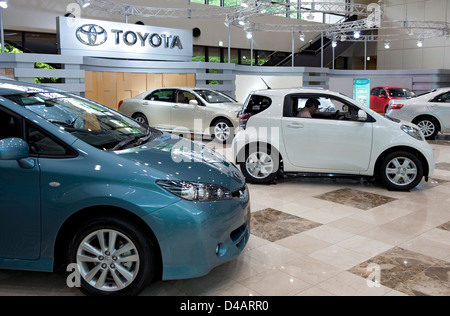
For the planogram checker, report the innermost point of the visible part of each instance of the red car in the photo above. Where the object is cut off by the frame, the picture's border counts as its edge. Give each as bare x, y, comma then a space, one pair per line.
381, 96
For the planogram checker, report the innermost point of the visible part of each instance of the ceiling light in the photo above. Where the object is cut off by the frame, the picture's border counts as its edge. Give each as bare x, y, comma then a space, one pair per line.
4, 4
86, 3
387, 45
334, 44
249, 35
310, 17
357, 34
419, 43
302, 37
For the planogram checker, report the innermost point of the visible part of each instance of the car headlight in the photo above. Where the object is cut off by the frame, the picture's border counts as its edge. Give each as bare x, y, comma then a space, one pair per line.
197, 192
413, 132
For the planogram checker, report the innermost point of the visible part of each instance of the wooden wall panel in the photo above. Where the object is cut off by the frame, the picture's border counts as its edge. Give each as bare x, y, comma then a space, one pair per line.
109, 88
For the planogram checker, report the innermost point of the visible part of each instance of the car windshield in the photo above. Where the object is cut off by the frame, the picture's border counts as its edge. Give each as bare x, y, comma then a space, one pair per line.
93, 123
401, 93
215, 96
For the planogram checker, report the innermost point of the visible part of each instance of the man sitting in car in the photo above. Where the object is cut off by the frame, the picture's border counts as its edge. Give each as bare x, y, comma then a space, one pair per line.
311, 107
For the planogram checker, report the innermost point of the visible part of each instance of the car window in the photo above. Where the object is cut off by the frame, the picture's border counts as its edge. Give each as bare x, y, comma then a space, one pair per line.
256, 104
215, 96
91, 122
9, 125
400, 93
162, 95
375, 91
444, 98
185, 97
43, 145
331, 108
326, 105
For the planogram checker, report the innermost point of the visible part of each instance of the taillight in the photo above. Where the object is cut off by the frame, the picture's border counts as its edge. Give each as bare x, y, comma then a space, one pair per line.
244, 120
120, 103
396, 106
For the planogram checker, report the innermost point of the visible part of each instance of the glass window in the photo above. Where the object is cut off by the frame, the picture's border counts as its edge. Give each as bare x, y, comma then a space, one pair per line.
214, 96
91, 122
41, 144
400, 93
256, 104
185, 97
443, 98
9, 125
162, 95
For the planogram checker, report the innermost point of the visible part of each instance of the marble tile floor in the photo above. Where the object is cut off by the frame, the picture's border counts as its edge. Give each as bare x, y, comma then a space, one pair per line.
320, 237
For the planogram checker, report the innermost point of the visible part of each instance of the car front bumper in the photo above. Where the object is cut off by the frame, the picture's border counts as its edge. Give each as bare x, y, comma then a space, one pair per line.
194, 238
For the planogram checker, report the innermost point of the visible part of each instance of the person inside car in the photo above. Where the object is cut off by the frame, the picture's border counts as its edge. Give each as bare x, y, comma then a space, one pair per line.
311, 107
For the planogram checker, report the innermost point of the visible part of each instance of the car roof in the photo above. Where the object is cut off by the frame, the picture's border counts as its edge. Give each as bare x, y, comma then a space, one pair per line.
11, 86
278, 92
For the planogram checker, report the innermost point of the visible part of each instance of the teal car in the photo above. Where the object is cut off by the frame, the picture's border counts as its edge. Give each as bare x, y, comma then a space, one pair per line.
85, 186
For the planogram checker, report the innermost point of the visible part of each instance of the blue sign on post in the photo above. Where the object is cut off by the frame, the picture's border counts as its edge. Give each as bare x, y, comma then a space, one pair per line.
361, 91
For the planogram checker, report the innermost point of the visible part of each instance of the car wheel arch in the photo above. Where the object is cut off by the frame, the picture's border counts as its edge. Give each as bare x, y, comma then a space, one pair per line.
241, 156
410, 150
428, 116
81, 217
216, 119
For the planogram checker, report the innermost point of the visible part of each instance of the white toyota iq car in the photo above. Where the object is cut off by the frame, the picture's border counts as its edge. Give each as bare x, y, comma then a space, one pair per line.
430, 111
354, 140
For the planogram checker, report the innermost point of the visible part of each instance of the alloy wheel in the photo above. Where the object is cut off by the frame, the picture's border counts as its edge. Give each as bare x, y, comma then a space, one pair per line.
260, 165
401, 171
427, 127
108, 260
222, 131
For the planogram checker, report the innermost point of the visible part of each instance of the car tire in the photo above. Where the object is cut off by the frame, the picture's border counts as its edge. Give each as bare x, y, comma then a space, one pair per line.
123, 268
141, 118
261, 165
429, 127
401, 171
223, 131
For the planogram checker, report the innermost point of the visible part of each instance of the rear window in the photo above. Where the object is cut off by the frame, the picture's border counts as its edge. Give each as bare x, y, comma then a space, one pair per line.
256, 104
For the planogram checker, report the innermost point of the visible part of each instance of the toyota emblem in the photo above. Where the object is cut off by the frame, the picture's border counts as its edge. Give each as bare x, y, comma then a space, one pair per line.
92, 35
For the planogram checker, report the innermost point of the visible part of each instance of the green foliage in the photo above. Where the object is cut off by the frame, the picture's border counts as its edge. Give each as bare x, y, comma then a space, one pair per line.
11, 49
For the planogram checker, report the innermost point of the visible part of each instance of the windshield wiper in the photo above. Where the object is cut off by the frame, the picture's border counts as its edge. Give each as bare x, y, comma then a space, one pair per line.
141, 138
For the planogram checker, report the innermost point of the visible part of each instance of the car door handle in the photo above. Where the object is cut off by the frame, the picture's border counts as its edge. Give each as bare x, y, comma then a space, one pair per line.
296, 125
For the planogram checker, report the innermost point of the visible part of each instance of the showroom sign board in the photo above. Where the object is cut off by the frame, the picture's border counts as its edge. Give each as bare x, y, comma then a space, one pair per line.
82, 37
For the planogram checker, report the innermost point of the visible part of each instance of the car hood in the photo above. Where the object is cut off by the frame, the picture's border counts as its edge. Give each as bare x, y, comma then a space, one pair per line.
177, 159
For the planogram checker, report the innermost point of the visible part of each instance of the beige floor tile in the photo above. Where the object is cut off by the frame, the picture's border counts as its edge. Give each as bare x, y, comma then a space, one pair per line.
275, 283
340, 257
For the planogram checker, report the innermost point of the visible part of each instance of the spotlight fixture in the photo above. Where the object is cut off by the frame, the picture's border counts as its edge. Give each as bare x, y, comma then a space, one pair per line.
419, 44
4, 4
86, 4
334, 44
302, 37
357, 34
387, 45
310, 17
249, 35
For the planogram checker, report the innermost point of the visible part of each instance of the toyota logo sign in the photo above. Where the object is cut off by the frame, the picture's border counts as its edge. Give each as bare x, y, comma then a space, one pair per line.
92, 35
92, 38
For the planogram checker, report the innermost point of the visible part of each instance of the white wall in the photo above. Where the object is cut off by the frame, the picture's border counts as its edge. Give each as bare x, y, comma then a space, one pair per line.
435, 53
248, 83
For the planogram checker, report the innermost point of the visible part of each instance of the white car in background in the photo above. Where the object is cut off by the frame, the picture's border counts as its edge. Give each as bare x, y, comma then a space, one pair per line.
196, 110
430, 111
354, 140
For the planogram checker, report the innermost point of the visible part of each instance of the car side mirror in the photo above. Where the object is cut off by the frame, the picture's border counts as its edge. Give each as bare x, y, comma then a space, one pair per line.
193, 102
362, 116
16, 149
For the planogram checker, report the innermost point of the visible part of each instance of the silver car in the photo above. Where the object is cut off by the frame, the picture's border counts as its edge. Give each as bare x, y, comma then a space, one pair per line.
186, 110
430, 111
